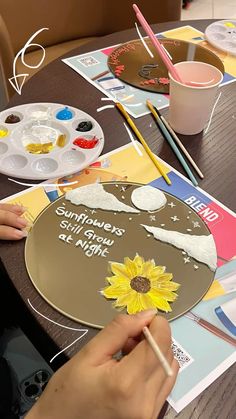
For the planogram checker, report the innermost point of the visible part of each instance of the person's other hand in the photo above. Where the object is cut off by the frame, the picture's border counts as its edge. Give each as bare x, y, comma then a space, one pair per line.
93, 385
11, 223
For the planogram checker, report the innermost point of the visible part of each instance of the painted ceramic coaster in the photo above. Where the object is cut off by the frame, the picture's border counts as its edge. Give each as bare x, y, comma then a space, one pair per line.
47, 140
97, 232
222, 35
131, 62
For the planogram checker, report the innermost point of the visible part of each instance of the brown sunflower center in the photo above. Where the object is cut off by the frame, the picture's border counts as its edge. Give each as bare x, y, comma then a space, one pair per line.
140, 284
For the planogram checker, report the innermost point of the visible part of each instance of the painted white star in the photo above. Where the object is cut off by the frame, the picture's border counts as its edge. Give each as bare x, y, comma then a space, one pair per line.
93, 211
130, 219
195, 267
186, 259
174, 218
123, 188
196, 224
189, 229
152, 217
171, 204
123, 197
162, 225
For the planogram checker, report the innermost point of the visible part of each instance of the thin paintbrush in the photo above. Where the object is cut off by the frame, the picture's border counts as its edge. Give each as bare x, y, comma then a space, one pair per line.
167, 368
211, 328
143, 142
173, 134
157, 44
171, 142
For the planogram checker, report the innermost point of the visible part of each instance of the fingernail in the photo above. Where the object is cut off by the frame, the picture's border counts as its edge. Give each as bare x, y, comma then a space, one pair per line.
147, 313
20, 234
19, 208
22, 221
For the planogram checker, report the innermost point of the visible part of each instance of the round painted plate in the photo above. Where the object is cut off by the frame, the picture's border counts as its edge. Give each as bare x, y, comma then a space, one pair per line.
222, 35
39, 127
69, 276
131, 62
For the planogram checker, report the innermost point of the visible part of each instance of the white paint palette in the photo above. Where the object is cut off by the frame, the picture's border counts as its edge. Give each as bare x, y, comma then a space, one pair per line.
39, 127
222, 35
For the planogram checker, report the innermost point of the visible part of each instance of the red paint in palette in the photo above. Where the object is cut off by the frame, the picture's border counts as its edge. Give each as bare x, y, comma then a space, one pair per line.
86, 143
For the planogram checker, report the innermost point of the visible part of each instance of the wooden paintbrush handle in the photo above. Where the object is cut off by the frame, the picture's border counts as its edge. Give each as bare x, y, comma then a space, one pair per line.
213, 329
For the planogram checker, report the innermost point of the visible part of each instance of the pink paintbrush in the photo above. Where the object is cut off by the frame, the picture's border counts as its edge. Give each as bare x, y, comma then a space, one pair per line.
166, 60
161, 51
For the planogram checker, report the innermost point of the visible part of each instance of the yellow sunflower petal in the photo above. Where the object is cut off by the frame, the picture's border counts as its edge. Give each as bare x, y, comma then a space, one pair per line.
119, 269
156, 272
161, 304
139, 302
131, 267
164, 278
116, 290
147, 302
147, 268
139, 261
162, 293
123, 300
131, 302
118, 280
169, 285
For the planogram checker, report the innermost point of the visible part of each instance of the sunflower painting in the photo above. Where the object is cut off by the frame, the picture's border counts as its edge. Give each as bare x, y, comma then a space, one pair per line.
139, 285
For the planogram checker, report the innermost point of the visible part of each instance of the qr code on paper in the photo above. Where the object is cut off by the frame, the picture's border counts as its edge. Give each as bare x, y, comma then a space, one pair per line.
88, 61
183, 357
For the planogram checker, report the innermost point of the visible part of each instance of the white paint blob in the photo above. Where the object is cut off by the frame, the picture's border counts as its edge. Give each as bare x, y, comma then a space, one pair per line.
148, 198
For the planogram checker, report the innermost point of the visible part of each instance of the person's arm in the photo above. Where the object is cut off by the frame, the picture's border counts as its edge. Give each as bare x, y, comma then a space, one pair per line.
12, 224
93, 385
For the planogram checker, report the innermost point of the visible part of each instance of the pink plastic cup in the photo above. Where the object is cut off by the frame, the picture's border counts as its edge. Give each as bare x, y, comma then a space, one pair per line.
191, 105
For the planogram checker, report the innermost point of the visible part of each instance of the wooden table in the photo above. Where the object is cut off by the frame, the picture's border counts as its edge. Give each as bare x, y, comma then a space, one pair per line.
216, 156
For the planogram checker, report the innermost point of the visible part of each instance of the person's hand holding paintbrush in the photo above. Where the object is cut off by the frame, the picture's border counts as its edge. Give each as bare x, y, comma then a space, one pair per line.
93, 384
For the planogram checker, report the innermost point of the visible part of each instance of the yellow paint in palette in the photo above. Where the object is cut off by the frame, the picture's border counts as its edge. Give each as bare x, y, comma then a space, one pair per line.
3, 132
35, 148
61, 140
230, 24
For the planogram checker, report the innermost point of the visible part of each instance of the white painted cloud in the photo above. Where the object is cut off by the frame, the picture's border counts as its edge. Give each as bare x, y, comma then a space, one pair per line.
201, 248
94, 196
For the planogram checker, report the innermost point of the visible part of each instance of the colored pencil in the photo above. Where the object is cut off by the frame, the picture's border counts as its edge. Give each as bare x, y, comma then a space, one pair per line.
173, 134
143, 142
171, 142
165, 364
168, 63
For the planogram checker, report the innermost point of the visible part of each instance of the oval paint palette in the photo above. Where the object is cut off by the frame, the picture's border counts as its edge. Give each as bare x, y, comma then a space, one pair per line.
222, 35
47, 140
